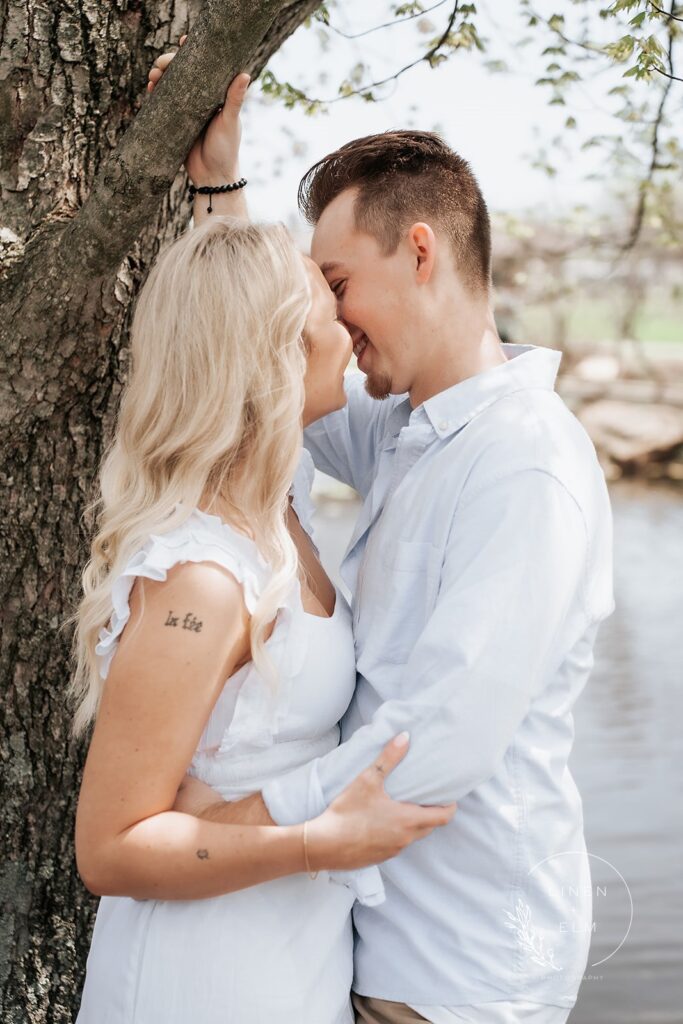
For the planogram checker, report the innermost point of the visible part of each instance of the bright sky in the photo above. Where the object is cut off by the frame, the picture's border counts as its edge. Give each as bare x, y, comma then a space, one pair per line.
494, 120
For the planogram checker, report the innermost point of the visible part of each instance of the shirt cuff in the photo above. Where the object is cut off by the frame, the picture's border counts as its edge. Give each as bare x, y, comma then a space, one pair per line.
297, 796
365, 883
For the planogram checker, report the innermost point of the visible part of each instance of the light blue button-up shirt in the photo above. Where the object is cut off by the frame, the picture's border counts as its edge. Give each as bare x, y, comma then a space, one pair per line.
480, 567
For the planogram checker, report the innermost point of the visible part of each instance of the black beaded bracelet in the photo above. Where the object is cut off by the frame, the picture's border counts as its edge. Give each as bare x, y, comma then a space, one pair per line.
210, 190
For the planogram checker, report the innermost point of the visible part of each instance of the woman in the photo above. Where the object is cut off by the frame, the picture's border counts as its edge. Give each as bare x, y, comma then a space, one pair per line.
225, 648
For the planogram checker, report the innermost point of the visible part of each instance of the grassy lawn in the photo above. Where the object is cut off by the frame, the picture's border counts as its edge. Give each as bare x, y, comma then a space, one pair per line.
590, 321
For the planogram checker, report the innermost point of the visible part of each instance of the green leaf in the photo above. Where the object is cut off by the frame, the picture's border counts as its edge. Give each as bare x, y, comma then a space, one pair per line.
407, 10
621, 50
322, 14
497, 66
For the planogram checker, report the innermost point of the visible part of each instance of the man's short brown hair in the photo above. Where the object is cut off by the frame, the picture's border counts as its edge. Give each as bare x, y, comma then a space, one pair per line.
403, 177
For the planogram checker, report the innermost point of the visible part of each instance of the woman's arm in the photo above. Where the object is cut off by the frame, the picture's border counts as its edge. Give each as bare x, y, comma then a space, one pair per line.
174, 656
173, 856
180, 645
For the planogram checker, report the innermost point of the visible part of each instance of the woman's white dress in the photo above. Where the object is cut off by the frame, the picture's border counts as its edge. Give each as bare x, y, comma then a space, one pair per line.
280, 952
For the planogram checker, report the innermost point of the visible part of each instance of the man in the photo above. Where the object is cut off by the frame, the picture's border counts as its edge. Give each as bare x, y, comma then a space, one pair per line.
480, 568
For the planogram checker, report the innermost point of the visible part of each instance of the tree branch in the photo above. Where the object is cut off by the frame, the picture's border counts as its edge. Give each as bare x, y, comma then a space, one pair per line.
428, 56
223, 42
53, 283
665, 74
387, 24
670, 15
639, 215
578, 43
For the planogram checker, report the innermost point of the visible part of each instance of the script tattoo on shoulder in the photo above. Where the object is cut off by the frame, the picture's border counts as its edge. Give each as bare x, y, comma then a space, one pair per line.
203, 854
189, 622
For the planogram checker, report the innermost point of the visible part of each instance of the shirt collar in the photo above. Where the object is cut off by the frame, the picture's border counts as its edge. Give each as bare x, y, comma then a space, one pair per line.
527, 366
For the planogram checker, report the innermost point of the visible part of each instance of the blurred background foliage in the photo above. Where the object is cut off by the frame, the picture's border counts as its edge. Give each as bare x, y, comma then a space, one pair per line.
586, 190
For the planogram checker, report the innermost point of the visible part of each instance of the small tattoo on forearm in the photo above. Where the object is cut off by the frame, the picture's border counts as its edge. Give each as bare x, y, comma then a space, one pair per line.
189, 622
203, 854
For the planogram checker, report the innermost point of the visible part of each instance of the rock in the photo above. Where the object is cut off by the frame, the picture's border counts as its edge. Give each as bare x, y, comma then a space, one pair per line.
598, 368
632, 434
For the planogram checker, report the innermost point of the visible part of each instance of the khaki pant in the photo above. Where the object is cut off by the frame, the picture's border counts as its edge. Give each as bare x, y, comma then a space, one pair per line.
381, 1011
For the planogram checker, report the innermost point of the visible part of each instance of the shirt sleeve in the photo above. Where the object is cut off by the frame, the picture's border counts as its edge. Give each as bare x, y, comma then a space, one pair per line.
510, 595
344, 443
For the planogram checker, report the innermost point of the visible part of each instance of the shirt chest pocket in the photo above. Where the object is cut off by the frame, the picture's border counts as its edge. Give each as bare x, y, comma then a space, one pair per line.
398, 594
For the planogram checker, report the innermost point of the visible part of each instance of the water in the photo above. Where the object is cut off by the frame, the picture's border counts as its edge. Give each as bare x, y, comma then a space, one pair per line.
627, 761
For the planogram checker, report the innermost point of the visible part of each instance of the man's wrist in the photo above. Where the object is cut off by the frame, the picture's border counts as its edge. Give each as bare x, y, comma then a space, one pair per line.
250, 810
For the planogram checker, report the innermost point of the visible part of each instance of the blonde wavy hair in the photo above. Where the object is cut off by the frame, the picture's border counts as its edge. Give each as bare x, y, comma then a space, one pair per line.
211, 412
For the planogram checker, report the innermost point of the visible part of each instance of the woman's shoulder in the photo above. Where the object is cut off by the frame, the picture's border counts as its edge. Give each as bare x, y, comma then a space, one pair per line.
202, 537
187, 556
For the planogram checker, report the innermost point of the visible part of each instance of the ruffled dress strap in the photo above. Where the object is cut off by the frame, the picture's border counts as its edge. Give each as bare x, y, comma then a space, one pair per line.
250, 719
300, 492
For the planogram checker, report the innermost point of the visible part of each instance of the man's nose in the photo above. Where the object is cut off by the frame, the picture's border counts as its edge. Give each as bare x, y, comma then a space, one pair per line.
347, 323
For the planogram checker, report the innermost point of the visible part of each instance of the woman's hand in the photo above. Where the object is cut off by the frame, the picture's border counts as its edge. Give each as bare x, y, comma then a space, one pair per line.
364, 825
214, 157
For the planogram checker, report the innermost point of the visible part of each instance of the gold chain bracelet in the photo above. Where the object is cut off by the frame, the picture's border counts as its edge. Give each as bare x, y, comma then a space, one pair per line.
308, 866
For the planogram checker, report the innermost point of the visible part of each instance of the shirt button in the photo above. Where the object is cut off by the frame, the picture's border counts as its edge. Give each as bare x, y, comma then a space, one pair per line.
443, 424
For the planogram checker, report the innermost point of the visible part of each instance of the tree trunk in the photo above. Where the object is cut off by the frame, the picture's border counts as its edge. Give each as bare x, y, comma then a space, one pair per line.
89, 192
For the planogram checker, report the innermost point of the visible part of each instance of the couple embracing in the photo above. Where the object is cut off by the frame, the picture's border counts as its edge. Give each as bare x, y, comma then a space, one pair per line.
298, 810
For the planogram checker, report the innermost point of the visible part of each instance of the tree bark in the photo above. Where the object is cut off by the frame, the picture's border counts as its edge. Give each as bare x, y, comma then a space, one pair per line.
90, 188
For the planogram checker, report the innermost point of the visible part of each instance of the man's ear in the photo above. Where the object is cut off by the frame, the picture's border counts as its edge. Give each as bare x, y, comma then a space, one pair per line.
422, 243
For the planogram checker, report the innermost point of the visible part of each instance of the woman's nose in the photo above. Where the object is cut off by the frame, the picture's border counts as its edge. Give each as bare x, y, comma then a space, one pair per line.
355, 332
